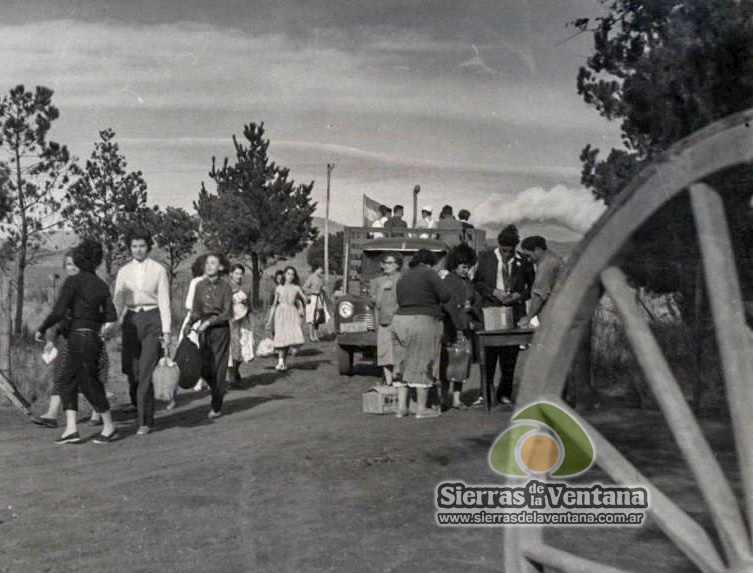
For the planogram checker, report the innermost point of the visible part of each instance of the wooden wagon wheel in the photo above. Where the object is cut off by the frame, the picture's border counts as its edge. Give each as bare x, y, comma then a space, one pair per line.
719, 146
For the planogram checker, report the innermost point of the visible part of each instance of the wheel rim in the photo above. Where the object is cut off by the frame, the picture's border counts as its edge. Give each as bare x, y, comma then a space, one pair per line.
719, 146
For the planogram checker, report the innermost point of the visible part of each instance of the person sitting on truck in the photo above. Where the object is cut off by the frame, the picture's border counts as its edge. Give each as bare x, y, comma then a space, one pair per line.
384, 297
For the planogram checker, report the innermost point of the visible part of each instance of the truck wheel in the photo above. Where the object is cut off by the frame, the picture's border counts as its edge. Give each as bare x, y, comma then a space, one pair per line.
344, 361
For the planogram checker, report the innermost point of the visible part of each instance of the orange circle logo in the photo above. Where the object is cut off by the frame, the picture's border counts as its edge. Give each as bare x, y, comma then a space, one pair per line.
539, 453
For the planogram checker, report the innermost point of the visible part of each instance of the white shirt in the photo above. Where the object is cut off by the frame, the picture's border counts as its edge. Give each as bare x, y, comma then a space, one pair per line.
379, 224
426, 223
144, 285
500, 275
192, 291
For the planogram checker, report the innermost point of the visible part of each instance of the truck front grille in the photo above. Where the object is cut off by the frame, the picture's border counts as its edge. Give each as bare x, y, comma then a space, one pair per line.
367, 317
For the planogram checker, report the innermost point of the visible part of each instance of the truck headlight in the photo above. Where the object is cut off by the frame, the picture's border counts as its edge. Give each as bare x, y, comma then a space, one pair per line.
346, 310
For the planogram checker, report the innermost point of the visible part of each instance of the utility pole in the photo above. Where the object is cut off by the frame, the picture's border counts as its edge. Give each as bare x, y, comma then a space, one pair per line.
330, 167
416, 191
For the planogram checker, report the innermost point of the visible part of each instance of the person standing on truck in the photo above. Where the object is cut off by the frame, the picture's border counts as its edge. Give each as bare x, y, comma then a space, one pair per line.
396, 221
384, 216
417, 332
384, 296
464, 215
426, 221
447, 221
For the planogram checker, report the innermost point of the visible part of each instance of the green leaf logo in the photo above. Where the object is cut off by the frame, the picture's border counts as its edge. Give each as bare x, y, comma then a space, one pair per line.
525, 449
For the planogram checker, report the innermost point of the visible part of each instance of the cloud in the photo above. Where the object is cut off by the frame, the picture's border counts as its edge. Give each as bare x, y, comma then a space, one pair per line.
390, 71
576, 209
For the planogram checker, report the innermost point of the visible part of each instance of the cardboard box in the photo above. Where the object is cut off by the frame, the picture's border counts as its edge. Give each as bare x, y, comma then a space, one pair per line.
498, 318
380, 400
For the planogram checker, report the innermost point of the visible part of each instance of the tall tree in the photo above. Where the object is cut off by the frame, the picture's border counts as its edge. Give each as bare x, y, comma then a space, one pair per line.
176, 234
34, 172
315, 254
664, 70
256, 211
106, 199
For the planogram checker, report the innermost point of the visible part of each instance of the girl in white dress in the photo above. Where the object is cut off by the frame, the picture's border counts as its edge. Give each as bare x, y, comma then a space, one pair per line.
286, 316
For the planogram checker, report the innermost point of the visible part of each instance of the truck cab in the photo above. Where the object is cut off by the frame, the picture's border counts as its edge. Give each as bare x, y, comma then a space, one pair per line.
364, 246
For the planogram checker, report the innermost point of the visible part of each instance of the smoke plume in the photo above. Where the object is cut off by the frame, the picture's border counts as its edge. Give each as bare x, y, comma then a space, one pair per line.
575, 209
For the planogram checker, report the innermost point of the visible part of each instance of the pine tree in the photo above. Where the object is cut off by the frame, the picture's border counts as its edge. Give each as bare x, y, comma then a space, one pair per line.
665, 70
106, 200
256, 212
176, 234
34, 171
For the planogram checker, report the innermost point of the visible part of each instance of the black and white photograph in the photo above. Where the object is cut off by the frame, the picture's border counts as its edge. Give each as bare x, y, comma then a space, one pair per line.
379, 286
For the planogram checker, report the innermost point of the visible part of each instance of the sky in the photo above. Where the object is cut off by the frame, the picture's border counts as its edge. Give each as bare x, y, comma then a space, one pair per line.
474, 100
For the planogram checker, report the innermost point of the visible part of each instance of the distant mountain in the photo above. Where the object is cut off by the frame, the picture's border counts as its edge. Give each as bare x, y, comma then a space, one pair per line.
334, 226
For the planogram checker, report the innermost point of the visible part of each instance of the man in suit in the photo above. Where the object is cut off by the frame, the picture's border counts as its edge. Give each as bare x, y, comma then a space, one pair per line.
504, 278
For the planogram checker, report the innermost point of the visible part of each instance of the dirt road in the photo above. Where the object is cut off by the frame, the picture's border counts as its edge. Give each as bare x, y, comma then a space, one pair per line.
292, 478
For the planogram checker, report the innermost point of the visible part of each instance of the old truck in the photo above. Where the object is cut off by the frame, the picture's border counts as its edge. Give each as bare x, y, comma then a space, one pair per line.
354, 312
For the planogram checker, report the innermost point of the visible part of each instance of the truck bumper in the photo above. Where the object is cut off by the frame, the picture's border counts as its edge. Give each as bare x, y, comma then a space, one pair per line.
357, 340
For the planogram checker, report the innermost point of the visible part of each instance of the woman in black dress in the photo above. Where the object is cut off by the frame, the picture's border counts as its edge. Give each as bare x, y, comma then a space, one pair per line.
86, 300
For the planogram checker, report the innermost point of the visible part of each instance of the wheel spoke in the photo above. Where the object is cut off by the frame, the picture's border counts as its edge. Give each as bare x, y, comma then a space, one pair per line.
518, 540
565, 561
725, 299
685, 429
682, 529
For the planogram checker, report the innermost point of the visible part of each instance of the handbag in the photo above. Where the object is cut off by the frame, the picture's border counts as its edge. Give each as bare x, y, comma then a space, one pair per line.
165, 379
319, 317
188, 360
266, 347
458, 359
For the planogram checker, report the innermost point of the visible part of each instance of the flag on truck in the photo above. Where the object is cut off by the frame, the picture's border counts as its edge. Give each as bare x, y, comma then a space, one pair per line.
370, 210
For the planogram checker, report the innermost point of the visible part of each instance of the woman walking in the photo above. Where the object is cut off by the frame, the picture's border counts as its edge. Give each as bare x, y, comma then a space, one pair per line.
279, 279
417, 332
286, 317
461, 319
212, 310
59, 341
86, 298
241, 332
197, 274
316, 309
